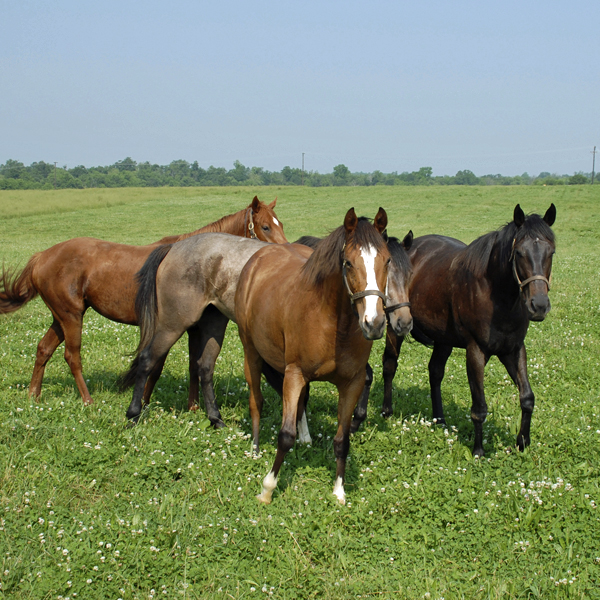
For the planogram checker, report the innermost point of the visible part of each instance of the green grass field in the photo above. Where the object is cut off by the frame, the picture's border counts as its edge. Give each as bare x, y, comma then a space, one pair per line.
91, 509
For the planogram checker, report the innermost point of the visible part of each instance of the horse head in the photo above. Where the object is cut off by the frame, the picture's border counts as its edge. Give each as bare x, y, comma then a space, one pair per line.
262, 222
531, 258
365, 270
399, 274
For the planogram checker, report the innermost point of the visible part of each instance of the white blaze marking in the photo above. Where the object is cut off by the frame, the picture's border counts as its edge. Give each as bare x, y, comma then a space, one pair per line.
275, 221
338, 490
368, 255
303, 432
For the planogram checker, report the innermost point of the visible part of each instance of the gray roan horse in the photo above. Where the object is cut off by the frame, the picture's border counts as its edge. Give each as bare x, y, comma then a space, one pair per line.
198, 276
480, 297
186, 286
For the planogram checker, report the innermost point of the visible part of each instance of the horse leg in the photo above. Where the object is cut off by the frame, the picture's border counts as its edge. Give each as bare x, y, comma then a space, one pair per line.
516, 365
205, 343
360, 412
72, 331
476, 361
348, 397
437, 365
252, 370
393, 343
48, 344
152, 355
294, 385
153, 377
301, 422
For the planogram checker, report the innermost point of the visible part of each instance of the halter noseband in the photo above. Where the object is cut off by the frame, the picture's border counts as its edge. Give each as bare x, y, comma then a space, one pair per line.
390, 309
358, 295
522, 284
250, 224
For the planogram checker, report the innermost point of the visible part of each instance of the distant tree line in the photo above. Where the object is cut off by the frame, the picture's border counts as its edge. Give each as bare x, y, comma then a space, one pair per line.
14, 175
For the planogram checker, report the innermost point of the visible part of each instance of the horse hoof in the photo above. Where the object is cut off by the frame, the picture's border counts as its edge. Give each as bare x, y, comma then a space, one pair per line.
218, 423
355, 426
264, 498
439, 421
522, 443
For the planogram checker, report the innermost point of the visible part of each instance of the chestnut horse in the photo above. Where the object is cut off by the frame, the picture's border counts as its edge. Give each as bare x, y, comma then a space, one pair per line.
84, 272
313, 316
480, 297
398, 313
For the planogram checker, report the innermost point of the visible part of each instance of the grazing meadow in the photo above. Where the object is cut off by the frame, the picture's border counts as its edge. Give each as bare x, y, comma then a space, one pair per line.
91, 509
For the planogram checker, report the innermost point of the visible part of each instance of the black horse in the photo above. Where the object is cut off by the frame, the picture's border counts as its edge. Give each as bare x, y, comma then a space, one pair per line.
480, 297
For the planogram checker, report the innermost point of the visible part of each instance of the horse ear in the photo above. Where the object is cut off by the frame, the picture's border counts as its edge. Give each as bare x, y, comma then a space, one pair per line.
408, 240
350, 221
519, 216
550, 215
272, 205
381, 220
255, 204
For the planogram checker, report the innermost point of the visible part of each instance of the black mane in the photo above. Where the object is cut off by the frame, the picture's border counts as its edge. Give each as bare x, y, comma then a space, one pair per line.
476, 256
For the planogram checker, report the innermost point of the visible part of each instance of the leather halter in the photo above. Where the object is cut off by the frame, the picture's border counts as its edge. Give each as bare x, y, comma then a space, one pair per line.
390, 309
520, 283
358, 295
250, 224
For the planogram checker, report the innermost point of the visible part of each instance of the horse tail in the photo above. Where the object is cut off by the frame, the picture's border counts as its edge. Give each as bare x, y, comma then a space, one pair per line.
17, 289
146, 309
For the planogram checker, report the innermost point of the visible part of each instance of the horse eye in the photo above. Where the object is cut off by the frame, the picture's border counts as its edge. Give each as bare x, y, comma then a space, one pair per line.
348, 264
266, 228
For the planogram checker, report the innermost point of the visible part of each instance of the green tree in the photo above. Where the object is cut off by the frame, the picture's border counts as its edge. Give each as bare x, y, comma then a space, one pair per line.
466, 177
340, 174
578, 179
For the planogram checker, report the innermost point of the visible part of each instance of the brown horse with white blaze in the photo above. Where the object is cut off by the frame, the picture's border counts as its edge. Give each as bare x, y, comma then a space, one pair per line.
85, 272
312, 316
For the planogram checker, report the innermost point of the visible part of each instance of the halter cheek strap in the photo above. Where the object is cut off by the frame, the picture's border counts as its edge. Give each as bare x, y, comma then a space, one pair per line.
248, 219
358, 295
520, 283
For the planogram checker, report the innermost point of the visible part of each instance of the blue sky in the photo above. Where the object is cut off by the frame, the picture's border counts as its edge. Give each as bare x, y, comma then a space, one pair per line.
493, 87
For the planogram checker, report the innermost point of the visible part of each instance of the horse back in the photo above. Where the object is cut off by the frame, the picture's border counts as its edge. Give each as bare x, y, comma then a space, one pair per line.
432, 286
86, 271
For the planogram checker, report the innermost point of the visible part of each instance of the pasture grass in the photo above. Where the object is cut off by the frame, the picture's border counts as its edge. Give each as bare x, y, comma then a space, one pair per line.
92, 509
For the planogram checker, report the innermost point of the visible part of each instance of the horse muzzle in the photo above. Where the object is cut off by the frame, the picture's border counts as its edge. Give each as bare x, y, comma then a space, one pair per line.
400, 318
538, 307
373, 328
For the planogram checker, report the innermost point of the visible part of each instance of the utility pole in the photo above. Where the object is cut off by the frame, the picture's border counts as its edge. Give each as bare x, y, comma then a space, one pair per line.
54, 174
303, 168
593, 164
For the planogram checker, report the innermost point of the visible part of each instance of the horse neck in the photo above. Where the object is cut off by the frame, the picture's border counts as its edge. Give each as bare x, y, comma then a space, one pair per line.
234, 224
501, 276
335, 295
